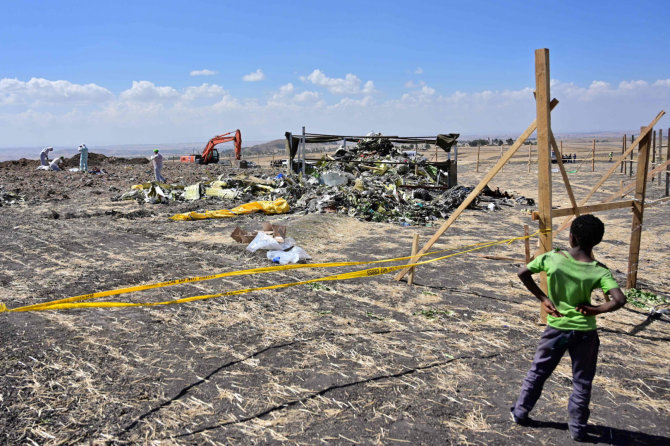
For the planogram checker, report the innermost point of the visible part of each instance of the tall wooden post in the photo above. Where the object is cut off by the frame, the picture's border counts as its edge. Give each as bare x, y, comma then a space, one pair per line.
623, 149
638, 210
653, 151
660, 152
630, 164
543, 113
593, 157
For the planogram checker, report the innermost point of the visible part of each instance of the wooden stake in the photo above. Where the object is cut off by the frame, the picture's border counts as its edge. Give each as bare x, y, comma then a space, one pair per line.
476, 191
621, 189
630, 164
593, 157
658, 169
595, 188
653, 151
543, 113
660, 151
415, 248
479, 147
623, 149
638, 211
526, 243
564, 174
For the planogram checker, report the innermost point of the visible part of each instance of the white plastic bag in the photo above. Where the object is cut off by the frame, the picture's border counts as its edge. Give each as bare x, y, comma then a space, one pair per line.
294, 255
264, 241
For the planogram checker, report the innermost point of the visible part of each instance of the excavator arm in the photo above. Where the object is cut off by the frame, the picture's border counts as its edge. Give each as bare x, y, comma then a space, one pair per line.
219, 139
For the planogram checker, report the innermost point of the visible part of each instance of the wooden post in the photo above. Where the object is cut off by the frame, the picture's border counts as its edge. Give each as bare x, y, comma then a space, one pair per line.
526, 243
476, 191
660, 151
623, 149
638, 211
415, 248
653, 151
593, 157
543, 113
630, 164
600, 182
479, 147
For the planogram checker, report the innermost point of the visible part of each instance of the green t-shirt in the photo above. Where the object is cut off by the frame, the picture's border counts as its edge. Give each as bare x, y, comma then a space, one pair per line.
570, 283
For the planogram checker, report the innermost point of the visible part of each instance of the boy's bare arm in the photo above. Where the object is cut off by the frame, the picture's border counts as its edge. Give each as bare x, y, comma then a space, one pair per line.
526, 277
618, 300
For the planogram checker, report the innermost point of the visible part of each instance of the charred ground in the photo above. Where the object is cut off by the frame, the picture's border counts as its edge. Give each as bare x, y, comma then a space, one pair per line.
367, 361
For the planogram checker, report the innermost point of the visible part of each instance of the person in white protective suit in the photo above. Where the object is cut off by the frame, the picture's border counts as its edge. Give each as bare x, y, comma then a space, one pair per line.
57, 163
83, 158
44, 156
157, 161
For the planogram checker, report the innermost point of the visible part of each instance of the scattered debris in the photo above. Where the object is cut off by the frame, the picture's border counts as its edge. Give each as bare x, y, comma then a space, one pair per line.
278, 232
372, 180
9, 198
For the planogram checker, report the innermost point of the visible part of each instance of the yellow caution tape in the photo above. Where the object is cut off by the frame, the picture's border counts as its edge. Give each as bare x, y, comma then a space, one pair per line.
279, 206
76, 301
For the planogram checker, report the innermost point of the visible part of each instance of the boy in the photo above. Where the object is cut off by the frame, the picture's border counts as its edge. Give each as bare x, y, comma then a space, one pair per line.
571, 322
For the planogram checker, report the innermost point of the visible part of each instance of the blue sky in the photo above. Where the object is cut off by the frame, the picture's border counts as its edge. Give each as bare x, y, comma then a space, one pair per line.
127, 72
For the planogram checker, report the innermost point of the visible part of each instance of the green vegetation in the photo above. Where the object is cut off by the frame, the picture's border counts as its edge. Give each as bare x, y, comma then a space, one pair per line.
433, 314
644, 299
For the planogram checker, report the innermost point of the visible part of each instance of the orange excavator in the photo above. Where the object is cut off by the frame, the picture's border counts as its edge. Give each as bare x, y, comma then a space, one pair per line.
210, 154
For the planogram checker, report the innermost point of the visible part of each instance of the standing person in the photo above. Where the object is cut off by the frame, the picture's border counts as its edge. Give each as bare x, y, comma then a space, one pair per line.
574, 157
611, 155
44, 156
83, 158
571, 324
57, 164
157, 160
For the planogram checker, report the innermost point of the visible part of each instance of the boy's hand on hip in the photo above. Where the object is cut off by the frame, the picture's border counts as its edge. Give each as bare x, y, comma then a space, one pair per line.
589, 310
550, 308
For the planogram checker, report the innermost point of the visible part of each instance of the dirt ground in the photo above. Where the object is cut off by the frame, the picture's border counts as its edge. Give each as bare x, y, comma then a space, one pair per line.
364, 361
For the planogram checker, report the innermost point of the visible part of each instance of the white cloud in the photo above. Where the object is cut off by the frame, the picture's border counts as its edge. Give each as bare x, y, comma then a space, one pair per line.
204, 72
350, 84
43, 91
255, 76
56, 112
418, 70
412, 84
147, 92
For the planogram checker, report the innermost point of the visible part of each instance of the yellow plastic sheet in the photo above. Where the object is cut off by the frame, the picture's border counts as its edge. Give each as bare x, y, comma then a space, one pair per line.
279, 206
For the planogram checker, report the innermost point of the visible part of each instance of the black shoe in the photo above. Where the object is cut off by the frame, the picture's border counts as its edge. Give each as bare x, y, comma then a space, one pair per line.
521, 421
579, 436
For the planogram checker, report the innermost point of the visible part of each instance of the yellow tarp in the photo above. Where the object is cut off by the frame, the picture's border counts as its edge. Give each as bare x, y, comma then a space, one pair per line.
279, 206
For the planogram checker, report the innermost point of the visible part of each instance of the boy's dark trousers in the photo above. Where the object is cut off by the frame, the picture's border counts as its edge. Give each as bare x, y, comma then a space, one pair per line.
583, 349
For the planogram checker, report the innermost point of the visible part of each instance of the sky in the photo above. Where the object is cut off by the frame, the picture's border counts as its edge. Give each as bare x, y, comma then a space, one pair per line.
150, 72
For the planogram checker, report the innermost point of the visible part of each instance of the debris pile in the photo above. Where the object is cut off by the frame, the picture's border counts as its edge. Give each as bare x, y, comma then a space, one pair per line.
372, 180
9, 198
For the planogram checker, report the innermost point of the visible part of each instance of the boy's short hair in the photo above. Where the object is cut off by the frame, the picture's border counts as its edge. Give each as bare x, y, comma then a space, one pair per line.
588, 230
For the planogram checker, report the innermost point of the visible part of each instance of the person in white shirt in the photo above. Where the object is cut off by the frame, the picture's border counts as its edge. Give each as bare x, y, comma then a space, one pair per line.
44, 156
56, 164
157, 160
83, 158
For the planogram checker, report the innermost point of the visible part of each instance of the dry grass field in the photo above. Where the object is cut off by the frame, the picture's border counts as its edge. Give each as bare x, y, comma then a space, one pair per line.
364, 361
